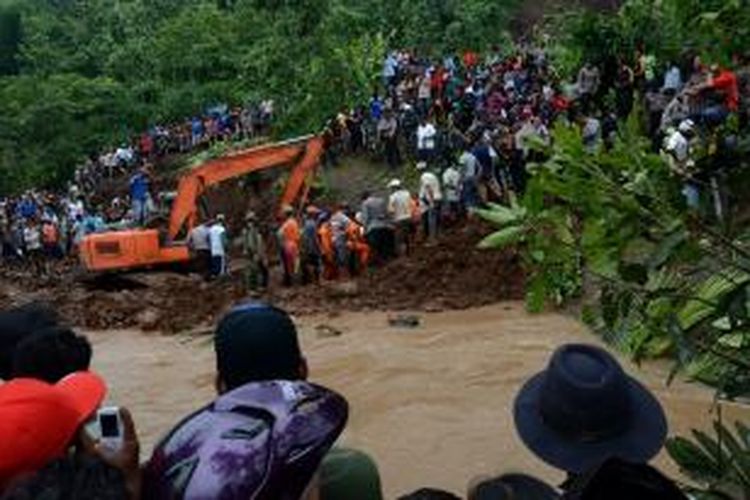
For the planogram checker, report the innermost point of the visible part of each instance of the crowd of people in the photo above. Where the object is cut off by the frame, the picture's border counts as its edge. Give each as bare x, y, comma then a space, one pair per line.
217, 124
43, 226
469, 123
270, 433
486, 116
332, 243
470, 126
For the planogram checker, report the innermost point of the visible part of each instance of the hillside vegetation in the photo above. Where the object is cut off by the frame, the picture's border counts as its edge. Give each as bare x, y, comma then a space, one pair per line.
76, 75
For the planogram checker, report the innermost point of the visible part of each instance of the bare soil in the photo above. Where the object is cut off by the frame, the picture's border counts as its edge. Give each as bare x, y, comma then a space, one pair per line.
452, 274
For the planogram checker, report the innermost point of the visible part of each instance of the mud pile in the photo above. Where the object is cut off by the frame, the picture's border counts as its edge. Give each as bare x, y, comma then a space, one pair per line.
451, 274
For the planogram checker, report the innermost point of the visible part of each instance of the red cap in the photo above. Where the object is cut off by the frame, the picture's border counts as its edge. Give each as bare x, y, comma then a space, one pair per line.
38, 421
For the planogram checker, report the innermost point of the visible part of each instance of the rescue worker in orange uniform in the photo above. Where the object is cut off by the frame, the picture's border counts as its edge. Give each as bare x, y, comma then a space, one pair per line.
359, 250
289, 239
327, 250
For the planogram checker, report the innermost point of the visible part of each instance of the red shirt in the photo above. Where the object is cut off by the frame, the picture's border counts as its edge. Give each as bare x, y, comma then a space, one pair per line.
560, 103
147, 144
726, 83
470, 59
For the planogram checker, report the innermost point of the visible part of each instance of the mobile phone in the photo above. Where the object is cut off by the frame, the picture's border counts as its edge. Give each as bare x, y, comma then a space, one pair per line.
110, 427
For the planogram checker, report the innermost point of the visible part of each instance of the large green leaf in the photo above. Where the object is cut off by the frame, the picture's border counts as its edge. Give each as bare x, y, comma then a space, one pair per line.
708, 294
502, 238
693, 461
500, 215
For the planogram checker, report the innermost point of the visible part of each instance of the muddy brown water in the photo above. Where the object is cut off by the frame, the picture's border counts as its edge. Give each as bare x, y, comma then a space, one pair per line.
432, 404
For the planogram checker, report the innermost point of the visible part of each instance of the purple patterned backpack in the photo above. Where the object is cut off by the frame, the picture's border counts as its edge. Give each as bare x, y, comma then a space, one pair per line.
263, 440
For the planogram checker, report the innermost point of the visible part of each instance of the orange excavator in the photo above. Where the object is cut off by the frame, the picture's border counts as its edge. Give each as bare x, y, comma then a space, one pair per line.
138, 248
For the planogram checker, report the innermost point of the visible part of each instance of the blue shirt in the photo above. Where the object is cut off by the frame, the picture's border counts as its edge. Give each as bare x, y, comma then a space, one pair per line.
138, 187
197, 126
389, 66
673, 79
27, 209
482, 153
376, 108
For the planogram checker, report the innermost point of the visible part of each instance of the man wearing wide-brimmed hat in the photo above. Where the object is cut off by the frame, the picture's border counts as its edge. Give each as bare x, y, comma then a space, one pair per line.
584, 409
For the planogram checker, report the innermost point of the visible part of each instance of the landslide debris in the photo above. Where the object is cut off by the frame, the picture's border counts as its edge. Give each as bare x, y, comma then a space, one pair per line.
450, 274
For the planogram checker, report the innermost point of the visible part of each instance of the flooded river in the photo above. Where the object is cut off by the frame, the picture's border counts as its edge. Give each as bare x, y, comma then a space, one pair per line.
432, 404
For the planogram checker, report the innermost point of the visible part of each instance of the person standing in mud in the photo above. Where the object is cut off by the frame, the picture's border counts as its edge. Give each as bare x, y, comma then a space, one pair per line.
340, 223
200, 244
139, 195
289, 238
310, 252
254, 249
32, 237
217, 236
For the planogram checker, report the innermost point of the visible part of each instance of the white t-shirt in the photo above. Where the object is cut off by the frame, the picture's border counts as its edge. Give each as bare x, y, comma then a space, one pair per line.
451, 183
424, 91
679, 146
33, 238
199, 238
426, 136
216, 238
75, 208
469, 164
399, 205
429, 190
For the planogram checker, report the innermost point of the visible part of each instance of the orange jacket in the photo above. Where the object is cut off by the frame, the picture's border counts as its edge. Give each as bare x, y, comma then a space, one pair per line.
325, 233
290, 232
357, 243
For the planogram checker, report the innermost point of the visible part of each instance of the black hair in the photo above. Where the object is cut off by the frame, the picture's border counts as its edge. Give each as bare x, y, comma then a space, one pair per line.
51, 354
513, 487
16, 324
429, 494
617, 479
72, 478
255, 343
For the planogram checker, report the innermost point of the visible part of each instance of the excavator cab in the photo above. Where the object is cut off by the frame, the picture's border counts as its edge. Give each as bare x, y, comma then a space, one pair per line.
123, 250
142, 248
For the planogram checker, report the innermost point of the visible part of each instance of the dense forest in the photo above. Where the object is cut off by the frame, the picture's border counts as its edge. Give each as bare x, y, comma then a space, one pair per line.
78, 74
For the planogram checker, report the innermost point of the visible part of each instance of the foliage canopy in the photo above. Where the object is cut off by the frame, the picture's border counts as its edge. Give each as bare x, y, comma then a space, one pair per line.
76, 75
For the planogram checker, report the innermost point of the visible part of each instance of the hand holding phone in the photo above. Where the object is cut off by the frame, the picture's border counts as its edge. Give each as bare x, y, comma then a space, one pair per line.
109, 424
111, 436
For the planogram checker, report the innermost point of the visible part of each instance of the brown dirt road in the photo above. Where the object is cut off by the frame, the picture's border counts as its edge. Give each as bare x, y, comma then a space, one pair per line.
432, 403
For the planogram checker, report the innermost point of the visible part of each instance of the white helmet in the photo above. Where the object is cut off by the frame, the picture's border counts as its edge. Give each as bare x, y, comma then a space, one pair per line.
686, 125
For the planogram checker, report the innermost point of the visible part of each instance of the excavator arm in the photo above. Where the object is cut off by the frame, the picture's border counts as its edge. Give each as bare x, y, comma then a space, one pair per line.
139, 248
305, 151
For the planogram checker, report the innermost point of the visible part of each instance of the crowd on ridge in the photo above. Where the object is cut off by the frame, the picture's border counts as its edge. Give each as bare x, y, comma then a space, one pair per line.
42, 225
469, 123
270, 433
